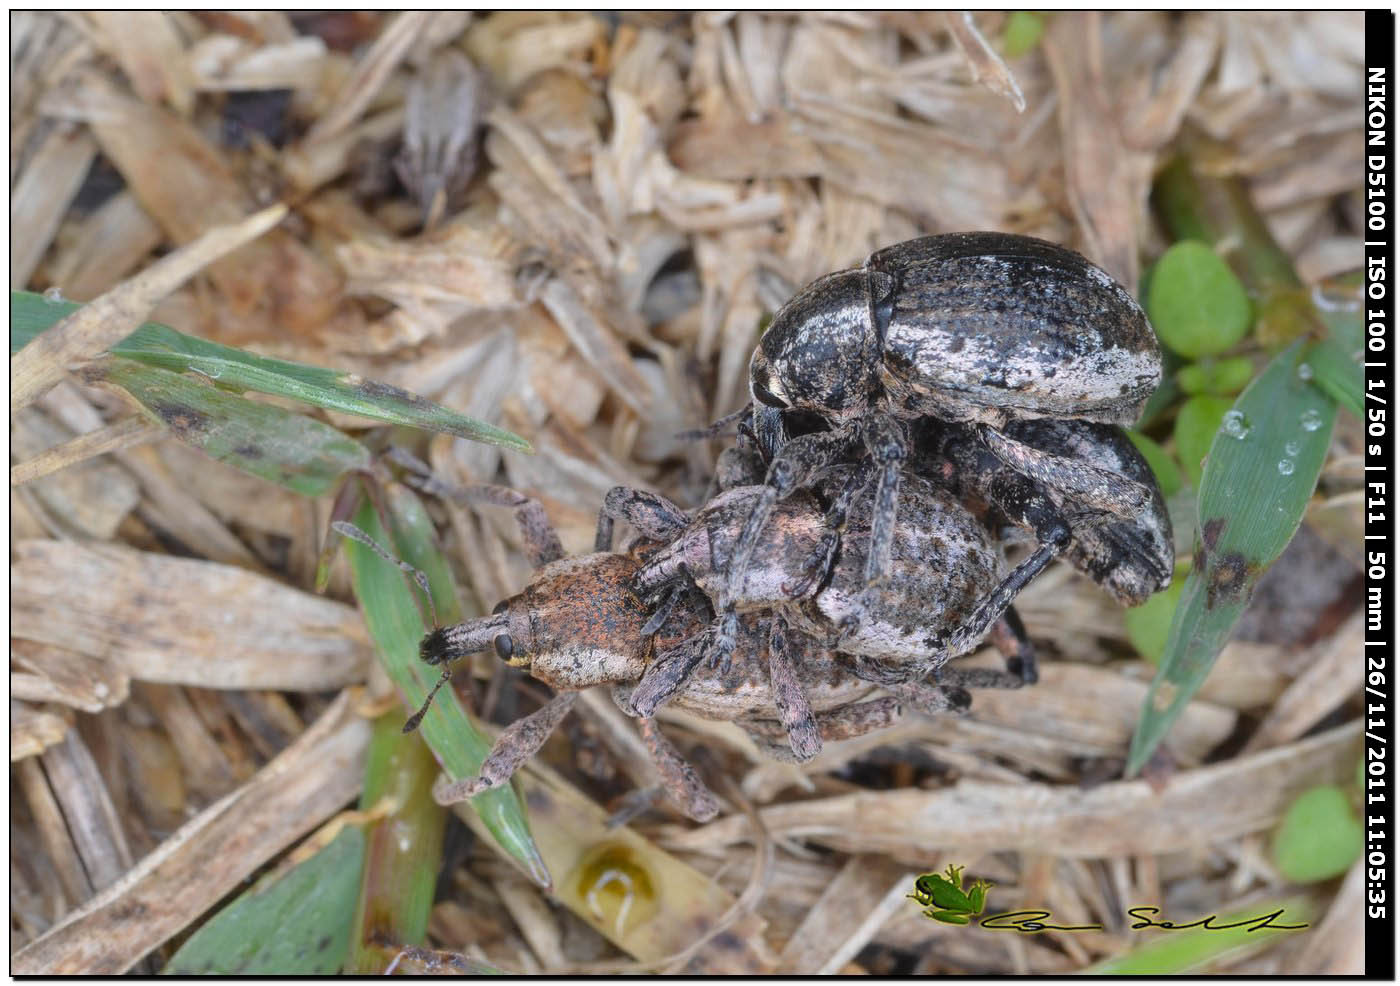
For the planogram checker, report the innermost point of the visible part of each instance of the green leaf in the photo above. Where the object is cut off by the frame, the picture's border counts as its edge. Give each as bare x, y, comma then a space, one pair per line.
1022, 32
1259, 476
296, 925
1197, 422
1335, 373
1225, 377
300, 453
395, 622
1196, 303
403, 851
233, 369
1319, 837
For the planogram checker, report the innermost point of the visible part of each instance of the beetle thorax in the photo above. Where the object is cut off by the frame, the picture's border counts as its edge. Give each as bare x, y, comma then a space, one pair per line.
821, 352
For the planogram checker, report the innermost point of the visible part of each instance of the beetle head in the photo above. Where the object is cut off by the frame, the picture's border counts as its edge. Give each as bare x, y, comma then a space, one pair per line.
821, 352
578, 623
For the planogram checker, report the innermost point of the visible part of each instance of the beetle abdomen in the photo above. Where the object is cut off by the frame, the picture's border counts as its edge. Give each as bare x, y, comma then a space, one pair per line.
980, 323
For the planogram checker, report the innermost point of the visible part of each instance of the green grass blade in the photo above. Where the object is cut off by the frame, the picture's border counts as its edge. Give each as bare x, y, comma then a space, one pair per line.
233, 369
1337, 374
291, 450
394, 620
296, 925
403, 850
1258, 478
1190, 949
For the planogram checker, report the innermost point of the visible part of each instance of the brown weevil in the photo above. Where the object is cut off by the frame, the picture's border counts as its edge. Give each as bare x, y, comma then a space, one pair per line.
581, 622
983, 328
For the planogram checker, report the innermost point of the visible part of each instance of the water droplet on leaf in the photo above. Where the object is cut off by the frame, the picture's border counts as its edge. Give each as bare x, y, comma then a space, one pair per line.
1291, 449
1305, 371
1285, 467
1311, 419
53, 296
1235, 424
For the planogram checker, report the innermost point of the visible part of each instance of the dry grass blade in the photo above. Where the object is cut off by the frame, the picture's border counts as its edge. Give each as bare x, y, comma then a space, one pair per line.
112, 317
32, 731
987, 66
371, 73
1332, 674
122, 434
41, 673
828, 937
1210, 804
42, 194
151, 614
1108, 182
209, 855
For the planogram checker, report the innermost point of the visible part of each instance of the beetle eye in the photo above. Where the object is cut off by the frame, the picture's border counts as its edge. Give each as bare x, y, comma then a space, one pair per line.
501, 607
766, 396
505, 649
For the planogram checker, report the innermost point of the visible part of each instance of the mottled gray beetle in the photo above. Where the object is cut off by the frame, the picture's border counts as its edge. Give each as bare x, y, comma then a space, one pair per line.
983, 328
945, 592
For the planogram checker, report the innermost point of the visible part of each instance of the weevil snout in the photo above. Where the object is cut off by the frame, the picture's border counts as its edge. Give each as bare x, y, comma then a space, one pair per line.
449, 643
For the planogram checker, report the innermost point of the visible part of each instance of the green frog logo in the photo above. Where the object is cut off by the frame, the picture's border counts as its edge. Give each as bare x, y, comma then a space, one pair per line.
944, 898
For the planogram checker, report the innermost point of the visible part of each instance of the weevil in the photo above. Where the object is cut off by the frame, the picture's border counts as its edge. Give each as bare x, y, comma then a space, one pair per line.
982, 328
945, 592
581, 622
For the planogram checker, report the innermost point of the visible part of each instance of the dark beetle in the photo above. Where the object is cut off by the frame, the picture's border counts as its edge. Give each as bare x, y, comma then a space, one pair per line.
965, 327
983, 328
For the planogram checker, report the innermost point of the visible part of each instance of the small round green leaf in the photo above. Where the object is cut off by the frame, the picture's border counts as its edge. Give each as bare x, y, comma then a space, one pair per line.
1196, 303
1319, 837
1232, 375
1150, 624
1193, 378
1225, 377
1166, 471
1196, 424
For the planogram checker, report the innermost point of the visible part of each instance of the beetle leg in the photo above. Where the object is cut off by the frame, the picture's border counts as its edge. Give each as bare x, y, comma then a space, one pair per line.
665, 676
1087, 483
520, 741
659, 616
1010, 637
931, 699
817, 568
794, 711
792, 469
846, 722
885, 439
541, 542
655, 517
991, 609
977, 678
682, 783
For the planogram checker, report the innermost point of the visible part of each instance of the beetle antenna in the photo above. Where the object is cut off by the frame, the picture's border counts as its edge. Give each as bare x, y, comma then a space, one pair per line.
349, 530
714, 430
417, 717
